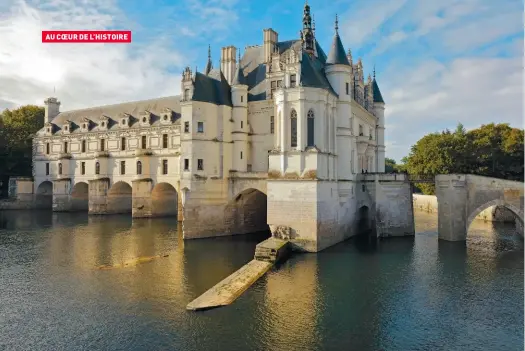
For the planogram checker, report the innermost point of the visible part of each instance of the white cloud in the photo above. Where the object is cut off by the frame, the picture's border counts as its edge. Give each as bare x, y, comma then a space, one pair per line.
83, 74
359, 24
435, 96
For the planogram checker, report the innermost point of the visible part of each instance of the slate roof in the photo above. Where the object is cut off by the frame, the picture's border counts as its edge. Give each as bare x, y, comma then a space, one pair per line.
337, 55
312, 73
376, 92
238, 78
114, 112
213, 88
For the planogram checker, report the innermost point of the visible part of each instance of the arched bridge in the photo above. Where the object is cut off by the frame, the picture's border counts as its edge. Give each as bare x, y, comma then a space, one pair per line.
461, 197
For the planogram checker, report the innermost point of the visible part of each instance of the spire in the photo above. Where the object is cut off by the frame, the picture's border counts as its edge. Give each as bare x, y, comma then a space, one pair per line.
238, 78
307, 32
378, 98
337, 56
209, 65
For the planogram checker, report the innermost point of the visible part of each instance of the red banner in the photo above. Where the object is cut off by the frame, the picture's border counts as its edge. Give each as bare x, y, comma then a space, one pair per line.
86, 36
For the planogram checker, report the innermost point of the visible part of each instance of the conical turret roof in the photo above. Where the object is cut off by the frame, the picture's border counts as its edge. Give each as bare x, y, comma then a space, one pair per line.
337, 55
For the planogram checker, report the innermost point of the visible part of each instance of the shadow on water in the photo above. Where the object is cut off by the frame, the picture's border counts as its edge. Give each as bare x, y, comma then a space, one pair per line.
219, 257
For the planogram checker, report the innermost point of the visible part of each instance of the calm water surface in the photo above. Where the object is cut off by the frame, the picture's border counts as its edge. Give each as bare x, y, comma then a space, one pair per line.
401, 294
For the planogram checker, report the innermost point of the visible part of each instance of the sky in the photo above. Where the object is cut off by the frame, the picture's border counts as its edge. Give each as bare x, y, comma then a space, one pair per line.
438, 63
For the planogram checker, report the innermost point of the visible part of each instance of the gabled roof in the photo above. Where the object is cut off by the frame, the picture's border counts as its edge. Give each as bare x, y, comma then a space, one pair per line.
376, 92
337, 55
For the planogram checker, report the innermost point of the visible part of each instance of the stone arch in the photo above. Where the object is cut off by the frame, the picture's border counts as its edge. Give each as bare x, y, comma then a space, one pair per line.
164, 200
44, 195
247, 212
80, 197
119, 198
495, 203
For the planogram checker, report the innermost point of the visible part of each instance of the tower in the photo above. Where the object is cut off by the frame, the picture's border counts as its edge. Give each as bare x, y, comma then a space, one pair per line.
240, 129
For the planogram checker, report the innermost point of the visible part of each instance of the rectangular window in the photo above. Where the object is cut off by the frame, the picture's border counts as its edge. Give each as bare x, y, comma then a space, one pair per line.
241, 124
200, 164
164, 166
143, 142
122, 167
241, 155
102, 144
47, 168
242, 98
186, 127
82, 168
165, 141
123, 144
60, 168
47, 148
273, 85
65, 147
272, 124
200, 127
186, 164
279, 83
360, 130
347, 89
293, 80
83, 146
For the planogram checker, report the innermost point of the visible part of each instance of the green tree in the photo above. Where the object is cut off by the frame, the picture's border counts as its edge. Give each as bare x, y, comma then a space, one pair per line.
17, 127
494, 150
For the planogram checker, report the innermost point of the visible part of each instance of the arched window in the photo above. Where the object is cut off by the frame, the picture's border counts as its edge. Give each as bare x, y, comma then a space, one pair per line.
293, 128
97, 168
310, 127
139, 167
59, 168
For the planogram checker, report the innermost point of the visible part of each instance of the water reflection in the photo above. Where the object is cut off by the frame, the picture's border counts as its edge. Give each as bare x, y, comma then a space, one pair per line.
396, 294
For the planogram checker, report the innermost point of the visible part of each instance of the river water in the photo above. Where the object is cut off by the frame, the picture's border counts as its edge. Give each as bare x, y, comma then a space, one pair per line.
73, 282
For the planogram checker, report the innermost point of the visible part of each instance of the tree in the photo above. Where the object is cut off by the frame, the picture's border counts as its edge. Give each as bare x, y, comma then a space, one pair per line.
16, 130
493, 150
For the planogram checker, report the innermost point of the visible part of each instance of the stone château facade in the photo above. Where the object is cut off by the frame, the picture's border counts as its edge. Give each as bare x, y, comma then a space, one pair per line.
276, 136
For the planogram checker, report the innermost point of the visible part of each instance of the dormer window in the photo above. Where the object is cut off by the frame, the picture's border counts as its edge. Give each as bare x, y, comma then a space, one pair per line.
85, 124
165, 116
66, 127
124, 120
145, 118
293, 80
48, 128
104, 122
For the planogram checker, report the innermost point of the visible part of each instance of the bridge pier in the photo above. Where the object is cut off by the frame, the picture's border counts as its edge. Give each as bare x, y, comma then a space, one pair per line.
98, 190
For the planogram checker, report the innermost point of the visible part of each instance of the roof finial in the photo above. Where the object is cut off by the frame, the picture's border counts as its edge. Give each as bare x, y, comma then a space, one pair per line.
313, 23
336, 23
374, 71
239, 56
209, 51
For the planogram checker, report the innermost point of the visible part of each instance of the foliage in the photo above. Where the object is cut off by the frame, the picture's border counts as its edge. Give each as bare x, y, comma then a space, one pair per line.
493, 150
16, 130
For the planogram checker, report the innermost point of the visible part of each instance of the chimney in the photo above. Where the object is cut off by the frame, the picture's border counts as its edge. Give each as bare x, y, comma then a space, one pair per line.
228, 62
269, 43
52, 108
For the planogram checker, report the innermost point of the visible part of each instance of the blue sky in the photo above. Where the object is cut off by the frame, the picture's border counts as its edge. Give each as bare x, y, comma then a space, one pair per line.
438, 62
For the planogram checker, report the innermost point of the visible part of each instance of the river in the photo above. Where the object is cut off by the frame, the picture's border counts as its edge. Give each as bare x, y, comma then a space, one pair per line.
78, 282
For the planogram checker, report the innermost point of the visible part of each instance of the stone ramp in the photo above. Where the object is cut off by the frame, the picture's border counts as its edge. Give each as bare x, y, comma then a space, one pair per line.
229, 289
